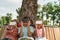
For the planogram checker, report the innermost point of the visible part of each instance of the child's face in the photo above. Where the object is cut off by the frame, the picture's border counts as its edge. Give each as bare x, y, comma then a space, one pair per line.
26, 23
38, 26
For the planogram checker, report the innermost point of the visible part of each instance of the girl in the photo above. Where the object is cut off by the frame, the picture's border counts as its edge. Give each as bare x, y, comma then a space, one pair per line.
39, 30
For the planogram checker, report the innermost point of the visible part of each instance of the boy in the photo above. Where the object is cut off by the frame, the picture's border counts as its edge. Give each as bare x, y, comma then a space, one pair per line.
26, 30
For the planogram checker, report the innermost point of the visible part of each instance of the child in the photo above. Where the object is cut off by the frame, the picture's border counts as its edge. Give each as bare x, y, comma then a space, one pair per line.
11, 32
39, 30
26, 30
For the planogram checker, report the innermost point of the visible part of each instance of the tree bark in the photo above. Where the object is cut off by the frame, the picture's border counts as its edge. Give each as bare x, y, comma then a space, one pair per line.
29, 8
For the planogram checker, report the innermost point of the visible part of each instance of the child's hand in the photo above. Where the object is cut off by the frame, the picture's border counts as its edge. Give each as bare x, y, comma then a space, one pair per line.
21, 24
36, 26
42, 25
28, 23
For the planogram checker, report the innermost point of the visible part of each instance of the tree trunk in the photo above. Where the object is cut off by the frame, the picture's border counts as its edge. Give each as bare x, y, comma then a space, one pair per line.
29, 8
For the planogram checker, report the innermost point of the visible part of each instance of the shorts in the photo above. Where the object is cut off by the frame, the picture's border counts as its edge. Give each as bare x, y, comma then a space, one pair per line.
40, 38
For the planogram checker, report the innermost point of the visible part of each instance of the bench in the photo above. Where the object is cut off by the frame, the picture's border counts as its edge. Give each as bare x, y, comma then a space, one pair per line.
51, 33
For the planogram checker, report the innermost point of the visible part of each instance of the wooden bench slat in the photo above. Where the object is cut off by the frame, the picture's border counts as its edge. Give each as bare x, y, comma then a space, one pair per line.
57, 33
51, 34
47, 32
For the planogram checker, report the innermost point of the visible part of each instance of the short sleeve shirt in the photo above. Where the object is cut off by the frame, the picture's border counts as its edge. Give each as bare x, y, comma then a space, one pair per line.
25, 31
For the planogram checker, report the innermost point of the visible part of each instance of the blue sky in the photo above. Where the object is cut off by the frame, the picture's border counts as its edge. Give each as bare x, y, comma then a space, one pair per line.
7, 6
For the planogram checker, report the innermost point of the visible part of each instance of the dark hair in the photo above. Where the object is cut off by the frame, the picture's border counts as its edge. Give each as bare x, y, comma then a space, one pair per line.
25, 19
6, 39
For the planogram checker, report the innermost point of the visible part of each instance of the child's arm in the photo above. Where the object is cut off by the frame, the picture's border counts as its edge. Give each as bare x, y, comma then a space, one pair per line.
21, 32
29, 32
35, 31
42, 30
